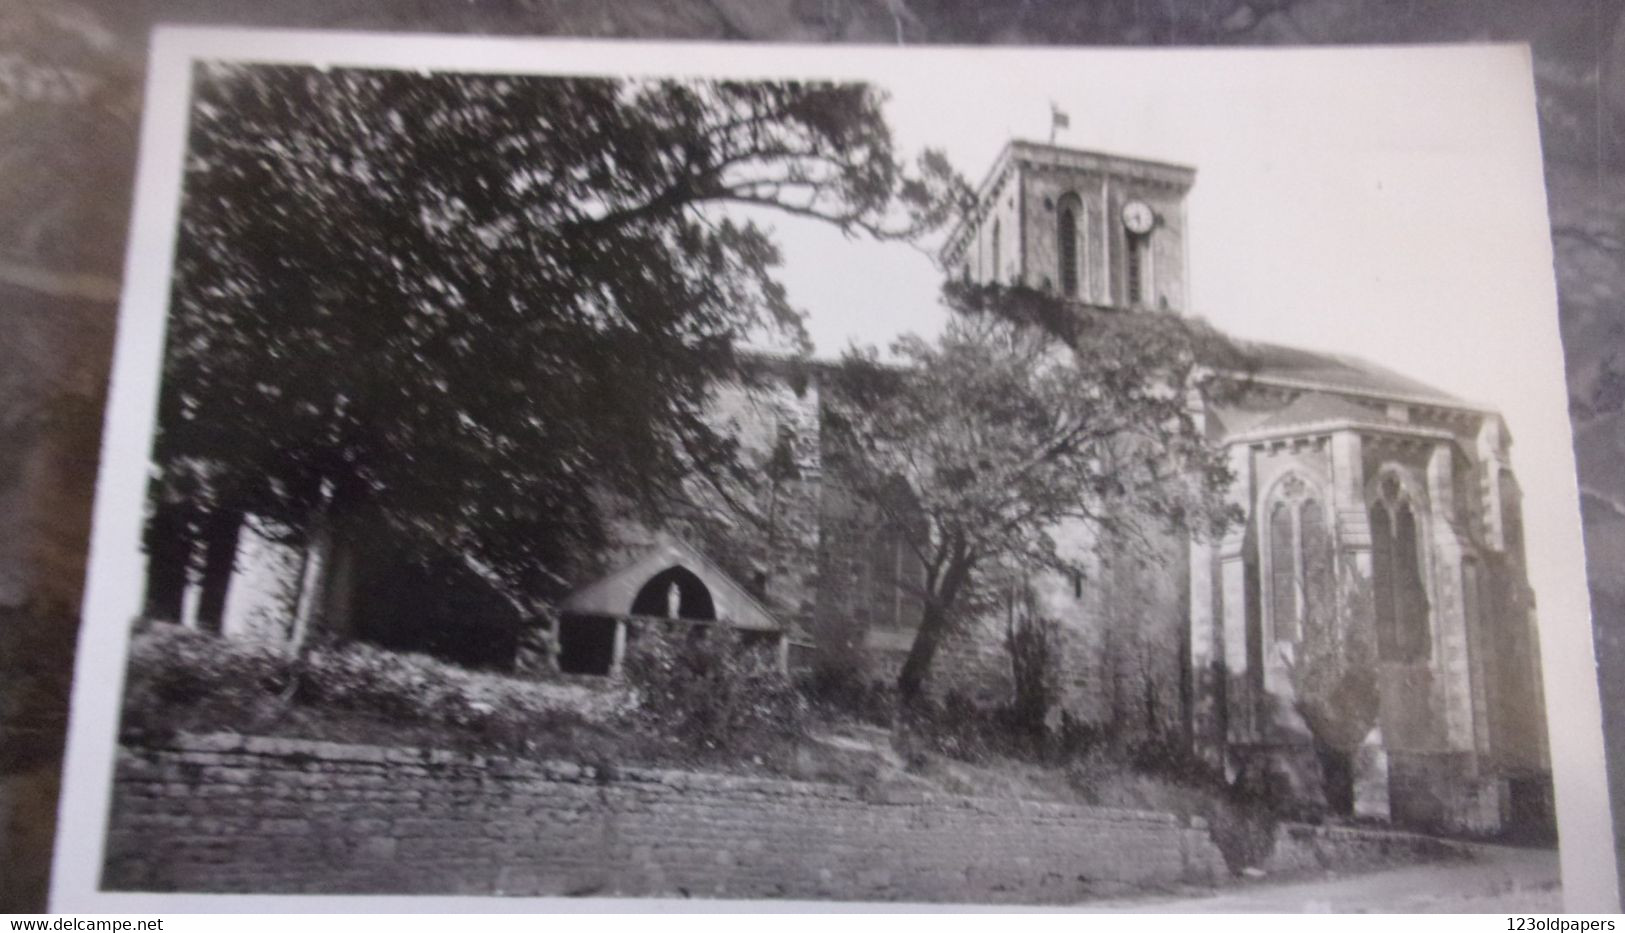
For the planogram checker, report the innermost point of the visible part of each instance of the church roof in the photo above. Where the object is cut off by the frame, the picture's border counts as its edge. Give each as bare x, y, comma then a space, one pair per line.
1311, 369
1315, 412
613, 594
1319, 409
1336, 392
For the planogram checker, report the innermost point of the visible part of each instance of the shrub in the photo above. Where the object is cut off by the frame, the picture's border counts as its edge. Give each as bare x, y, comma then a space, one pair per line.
396, 686
958, 727
180, 678
1243, 829
1172, 758
1033, 643
711, 686
1240, 821
173, 668
1105, 777
843, 692
1076, 737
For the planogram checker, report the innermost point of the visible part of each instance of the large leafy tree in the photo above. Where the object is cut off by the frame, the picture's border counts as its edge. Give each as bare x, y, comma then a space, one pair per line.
466, 308
1028, 414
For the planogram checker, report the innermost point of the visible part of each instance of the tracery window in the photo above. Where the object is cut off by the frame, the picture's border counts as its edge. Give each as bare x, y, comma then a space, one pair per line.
1396, 576
1299, 545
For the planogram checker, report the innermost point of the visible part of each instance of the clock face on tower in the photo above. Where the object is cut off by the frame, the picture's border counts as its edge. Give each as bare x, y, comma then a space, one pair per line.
1138, 218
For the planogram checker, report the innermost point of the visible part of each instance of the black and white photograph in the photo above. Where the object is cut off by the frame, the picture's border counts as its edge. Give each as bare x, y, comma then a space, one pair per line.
626, 471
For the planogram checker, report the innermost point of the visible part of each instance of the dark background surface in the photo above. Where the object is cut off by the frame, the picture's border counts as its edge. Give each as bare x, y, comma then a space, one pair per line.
70, 75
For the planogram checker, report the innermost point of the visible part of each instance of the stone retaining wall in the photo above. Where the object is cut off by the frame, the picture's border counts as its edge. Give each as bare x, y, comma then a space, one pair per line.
227, 813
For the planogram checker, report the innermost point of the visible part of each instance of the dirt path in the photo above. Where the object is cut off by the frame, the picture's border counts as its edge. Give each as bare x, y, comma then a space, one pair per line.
1502, 880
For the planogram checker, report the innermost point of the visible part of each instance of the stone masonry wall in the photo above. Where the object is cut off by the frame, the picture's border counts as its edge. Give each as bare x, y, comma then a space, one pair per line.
227, 813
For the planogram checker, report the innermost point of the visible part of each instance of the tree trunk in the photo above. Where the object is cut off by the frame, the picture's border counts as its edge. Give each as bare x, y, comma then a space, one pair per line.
169, 557
221, 530
933, 625
312, 581
1337, 778
933, 628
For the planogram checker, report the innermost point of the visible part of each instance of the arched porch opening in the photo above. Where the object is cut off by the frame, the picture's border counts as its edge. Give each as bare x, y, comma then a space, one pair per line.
675, 593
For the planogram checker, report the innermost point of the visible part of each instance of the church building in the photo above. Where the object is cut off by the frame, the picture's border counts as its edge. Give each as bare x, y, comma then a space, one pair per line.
1344, 470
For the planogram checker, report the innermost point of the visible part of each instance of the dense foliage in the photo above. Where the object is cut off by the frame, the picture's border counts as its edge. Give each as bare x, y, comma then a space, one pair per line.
717, 701
1333, 669
1029, 415
182, 680
462, 308
711, 687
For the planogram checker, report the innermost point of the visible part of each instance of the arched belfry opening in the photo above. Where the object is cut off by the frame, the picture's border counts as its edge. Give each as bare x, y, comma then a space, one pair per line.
675, 593
1068, 225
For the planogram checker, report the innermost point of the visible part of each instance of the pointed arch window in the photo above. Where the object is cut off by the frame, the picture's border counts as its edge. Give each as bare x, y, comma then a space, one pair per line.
1299, 546
1401, 609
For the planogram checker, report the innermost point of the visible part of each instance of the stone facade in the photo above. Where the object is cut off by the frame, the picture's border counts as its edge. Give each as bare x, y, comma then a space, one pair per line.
227, 813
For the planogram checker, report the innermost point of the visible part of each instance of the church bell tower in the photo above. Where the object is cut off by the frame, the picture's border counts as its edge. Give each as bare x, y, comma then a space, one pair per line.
1099, 229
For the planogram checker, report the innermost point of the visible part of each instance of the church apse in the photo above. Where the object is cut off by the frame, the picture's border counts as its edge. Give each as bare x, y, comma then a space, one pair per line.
1367, 511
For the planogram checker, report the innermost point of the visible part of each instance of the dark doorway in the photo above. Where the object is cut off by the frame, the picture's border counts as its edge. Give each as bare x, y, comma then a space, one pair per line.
692, 598
586, 644
438, 606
